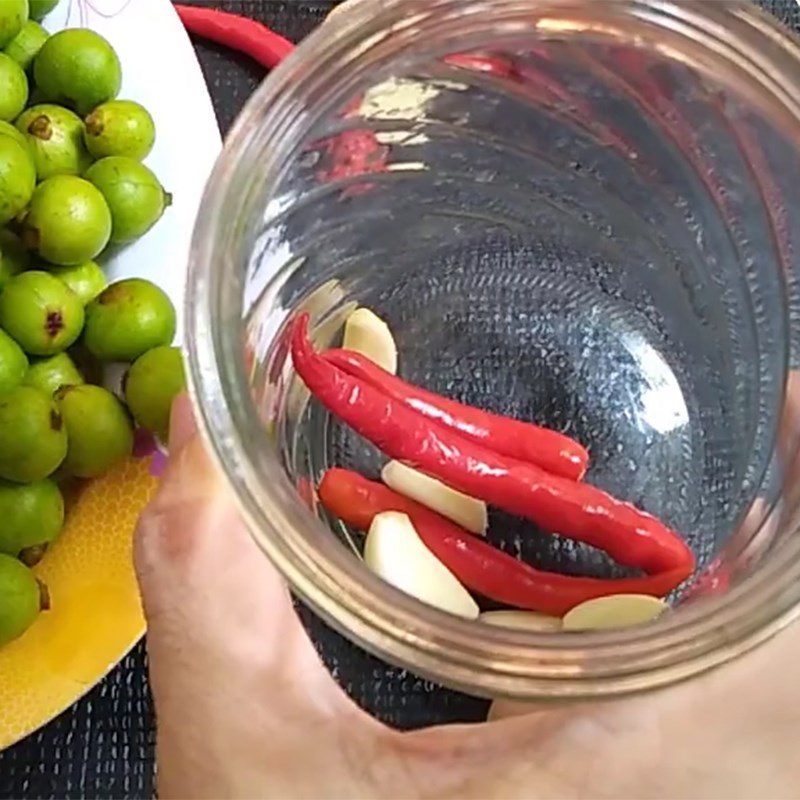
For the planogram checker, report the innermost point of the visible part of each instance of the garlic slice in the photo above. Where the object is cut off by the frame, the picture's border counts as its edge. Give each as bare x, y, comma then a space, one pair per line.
368, 334
394, 551
521, 620
613, 611
457, 506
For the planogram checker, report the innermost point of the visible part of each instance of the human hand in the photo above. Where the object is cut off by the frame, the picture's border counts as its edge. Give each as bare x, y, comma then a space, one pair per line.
245, 708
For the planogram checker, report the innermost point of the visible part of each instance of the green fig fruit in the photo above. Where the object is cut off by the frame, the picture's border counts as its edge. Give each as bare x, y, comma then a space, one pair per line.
13, 15
32, 516
87, 280
25, 46
68, 221
13, 364
120, 128
55, 139
33, 438
14, 258
39, 9
99, 430
51, 373
135, 197
77, 68
127, 319
21, 597
40, 312
152, 383
13, 86
17, 178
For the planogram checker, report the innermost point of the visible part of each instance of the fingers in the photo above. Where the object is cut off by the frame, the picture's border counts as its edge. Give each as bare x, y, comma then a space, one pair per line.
191, 540
234, 675
206, 587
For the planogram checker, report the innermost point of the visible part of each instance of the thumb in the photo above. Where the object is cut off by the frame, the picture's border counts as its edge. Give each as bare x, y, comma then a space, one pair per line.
182, 425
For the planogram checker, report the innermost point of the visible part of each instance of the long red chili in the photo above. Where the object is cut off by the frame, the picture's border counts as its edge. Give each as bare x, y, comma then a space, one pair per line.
479, 566
525, 441
577, 510
240, 33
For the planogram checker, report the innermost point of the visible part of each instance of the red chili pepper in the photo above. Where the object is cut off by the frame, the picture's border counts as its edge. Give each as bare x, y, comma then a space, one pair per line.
351, 154
548, 449
239, 33
479, 566
493, 65
576, 510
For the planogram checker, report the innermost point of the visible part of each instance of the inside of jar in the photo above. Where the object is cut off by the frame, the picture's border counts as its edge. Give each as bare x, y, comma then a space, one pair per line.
581, 234
576, 225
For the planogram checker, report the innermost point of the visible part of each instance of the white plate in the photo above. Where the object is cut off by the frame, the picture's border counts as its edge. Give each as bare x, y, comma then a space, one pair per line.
96, 613
160, 71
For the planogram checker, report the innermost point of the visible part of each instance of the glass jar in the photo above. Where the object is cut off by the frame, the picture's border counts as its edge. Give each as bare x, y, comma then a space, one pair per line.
585, 214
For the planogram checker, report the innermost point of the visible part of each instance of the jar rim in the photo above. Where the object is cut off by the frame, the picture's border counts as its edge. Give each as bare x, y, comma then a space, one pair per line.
518, 664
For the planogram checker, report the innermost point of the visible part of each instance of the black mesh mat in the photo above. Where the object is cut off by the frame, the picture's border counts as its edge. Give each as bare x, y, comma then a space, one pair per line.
104, 745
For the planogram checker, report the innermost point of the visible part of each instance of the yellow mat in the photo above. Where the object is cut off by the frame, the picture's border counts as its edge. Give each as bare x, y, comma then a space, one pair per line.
96, 615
